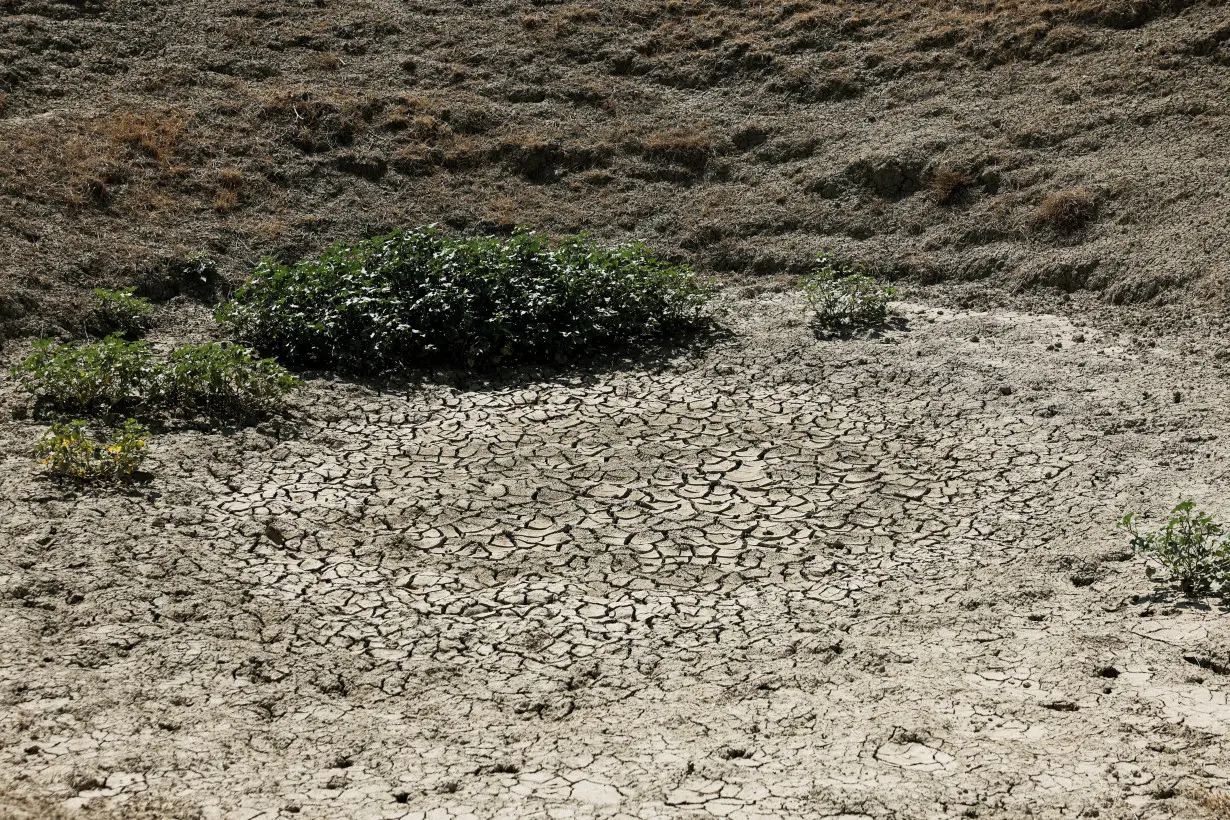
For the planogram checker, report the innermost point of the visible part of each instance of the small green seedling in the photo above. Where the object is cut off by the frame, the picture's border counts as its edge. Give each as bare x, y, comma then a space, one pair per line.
844, 296
1190, 546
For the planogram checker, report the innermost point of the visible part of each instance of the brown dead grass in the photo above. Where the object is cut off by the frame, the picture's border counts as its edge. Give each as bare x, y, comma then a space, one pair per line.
1217, 804
228, 194
324, 61
54, 164
315, 122
1066, 211
676, 143
633, 92
947, 183
154, 135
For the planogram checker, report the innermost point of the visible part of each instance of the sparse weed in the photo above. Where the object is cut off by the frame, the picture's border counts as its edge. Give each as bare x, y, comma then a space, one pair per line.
1190, 546
69, 453
120, 311
420, 296
220, 380
843, 295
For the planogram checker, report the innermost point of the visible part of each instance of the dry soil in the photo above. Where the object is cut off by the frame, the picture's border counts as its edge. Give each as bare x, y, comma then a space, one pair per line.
779, 576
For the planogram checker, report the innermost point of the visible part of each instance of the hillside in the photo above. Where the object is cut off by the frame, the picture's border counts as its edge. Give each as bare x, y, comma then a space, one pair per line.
1075, 145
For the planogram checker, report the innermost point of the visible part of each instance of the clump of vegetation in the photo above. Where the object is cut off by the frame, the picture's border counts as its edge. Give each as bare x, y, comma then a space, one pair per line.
1066, 211
222, 380
69, 453
947, 183
419, 296
843, 295
1191, 546
88, 378
120, 311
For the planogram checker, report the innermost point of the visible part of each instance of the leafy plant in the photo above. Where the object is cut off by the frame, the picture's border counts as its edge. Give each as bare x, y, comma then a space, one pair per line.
68, 452
1190, 546
843, 295
222, 380
120, 311
83, 378
420, 296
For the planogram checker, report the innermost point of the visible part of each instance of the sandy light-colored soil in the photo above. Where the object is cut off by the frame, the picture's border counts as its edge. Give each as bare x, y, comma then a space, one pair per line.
779, 576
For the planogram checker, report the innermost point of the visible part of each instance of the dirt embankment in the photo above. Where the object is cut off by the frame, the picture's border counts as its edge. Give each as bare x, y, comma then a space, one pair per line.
1074, 145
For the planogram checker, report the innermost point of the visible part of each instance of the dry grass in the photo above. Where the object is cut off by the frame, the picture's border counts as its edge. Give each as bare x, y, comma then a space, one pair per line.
154, 135
1217, 804
632, 92
324, 61
227, 196
676, 144
947, 183
315, 123
225, 200
1065, 211
55, 164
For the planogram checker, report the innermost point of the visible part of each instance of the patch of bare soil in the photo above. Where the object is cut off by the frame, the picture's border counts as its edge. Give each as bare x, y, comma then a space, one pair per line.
1077, 145
784, 576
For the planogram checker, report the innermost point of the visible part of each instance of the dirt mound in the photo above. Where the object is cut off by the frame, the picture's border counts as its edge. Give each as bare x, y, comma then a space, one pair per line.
924, 138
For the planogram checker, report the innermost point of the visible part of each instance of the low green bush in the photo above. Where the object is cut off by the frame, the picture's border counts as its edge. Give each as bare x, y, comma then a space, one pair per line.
419, 296
120, 311
1191, 546
220, 380
223, 380
843, 295
71, 378
69, 453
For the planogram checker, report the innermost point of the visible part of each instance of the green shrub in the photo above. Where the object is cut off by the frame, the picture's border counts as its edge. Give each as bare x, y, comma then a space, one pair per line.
418, 296
221, 380
74, 378
119, 311
69, 453
844, 296
1190, 546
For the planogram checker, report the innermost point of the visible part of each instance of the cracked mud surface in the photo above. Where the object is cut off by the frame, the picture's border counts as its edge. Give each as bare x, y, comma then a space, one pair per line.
790, 577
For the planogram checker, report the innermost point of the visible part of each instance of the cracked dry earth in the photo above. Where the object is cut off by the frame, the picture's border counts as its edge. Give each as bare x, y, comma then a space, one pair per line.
786, 577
